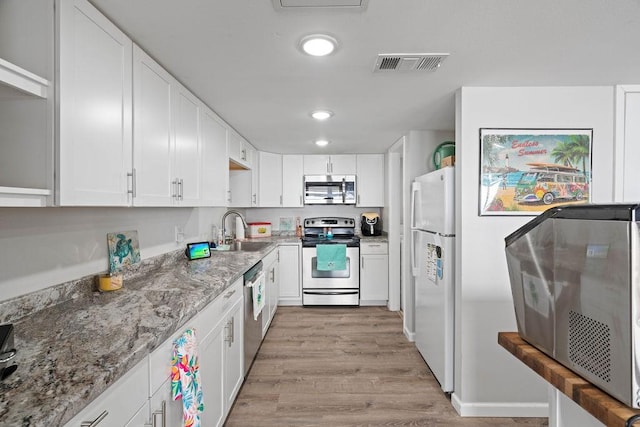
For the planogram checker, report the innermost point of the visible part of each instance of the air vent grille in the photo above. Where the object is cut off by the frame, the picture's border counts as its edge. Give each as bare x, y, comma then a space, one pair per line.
590, 345
409, 61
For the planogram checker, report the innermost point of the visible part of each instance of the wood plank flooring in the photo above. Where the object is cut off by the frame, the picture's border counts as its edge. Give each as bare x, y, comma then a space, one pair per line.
344, 367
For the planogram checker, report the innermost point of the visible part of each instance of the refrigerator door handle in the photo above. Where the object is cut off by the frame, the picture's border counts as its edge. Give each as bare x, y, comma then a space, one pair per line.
414, 268
415, 189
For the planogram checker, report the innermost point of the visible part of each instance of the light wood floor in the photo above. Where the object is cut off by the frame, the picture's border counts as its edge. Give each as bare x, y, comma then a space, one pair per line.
342, 367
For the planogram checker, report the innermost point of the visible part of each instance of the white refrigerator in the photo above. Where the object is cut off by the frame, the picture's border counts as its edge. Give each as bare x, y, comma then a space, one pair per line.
432, 266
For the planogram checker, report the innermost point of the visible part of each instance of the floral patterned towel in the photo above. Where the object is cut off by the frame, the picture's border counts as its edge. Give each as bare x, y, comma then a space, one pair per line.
185, 381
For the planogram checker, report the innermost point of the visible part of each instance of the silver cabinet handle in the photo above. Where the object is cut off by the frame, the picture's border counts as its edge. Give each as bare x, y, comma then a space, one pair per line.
362, 262
229, 196
7, 355
163, 415
244, 154
301, 200
174, 188
95, 422
255, 201
228, 294
181, 186
281, 200
273, 275
358, 199
133, 182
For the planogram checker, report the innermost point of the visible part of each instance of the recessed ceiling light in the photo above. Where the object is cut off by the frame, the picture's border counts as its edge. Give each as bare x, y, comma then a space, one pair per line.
318, 44
321, 142
321, 114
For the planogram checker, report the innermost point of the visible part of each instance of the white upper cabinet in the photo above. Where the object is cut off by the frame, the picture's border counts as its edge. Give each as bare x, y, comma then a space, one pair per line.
153, 136
240, 151
292, 180
187, 165
215, 166
370, 180
95, 108
26, 103
270, 180
339, 164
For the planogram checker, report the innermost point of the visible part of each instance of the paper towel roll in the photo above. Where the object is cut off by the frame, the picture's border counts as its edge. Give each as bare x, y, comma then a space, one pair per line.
239, 229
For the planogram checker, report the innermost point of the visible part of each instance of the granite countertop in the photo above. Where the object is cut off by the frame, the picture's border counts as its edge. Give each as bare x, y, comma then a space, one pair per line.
384, 238
605, 408
74, 343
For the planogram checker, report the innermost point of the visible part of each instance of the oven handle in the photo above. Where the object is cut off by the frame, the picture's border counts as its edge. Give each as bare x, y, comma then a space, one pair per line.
329, 293
343, 187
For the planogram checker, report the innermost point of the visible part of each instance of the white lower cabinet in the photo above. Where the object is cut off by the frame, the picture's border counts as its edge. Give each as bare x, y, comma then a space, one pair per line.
374, 273
272, 291
120, 403
290, 278
233, 354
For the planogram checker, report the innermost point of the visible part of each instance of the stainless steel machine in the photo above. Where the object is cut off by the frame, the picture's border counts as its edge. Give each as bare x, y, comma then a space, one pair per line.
574, 273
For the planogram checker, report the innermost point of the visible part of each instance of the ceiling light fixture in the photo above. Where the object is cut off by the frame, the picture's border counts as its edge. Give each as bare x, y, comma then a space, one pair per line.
321, 142
321, 114
318, 44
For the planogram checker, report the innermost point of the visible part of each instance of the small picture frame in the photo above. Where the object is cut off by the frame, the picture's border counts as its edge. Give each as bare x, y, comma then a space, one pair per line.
527, 171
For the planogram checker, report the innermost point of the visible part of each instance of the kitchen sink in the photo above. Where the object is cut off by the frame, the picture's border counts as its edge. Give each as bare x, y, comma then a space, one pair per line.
248, 246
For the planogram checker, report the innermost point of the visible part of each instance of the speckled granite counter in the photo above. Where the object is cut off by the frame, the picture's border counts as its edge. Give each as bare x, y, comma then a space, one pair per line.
74, 343
384, 238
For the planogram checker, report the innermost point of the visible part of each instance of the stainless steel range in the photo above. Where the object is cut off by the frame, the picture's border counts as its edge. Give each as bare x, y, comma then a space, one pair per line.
334, 286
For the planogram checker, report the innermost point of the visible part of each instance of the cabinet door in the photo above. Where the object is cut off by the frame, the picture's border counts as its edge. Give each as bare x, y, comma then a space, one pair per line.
275, 287
316, 164
241, 188
240, 151
153, 133
370, 180
292, 180
374, 277
215, 166
270, 181
211, 371
121, 401
343, 164
161, 403
290, 285
233, 354
95, 102
187, 149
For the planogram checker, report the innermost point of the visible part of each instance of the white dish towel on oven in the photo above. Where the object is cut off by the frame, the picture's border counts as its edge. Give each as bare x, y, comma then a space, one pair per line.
258, 295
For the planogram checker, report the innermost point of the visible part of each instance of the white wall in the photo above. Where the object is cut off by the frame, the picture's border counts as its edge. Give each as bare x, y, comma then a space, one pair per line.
42, 247
488, 380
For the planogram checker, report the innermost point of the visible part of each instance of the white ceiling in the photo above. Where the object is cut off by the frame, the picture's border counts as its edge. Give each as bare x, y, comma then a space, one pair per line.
241, 58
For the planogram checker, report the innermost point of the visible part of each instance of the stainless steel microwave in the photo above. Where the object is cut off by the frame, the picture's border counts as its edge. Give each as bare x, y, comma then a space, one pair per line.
329, 190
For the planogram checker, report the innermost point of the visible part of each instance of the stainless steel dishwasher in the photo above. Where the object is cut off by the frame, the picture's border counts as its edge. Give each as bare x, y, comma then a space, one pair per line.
252, 325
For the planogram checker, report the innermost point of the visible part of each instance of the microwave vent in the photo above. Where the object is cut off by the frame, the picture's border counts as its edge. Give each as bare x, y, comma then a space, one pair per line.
590, 345
409, 62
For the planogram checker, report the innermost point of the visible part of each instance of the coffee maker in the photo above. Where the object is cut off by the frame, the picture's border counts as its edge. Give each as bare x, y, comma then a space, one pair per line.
370, 224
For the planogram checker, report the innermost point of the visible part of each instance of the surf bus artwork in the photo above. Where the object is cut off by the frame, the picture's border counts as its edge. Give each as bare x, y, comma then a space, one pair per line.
547, 183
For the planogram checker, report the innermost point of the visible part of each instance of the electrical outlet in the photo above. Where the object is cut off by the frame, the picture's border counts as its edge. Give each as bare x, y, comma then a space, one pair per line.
179, 234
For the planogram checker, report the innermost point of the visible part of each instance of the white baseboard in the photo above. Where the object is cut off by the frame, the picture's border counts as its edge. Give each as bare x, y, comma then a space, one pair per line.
500, 409
411, 336
291, 302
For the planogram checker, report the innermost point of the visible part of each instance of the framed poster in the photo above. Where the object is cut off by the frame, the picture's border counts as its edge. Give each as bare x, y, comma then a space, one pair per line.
527, 171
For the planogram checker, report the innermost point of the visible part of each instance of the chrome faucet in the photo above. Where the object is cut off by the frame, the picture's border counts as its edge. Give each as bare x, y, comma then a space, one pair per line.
224, 220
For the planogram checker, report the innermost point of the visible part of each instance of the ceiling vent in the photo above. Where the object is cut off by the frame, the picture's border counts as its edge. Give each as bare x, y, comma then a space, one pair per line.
409, 61
327, 4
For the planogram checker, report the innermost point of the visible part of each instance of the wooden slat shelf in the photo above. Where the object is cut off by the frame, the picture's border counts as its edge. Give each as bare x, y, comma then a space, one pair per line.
605, 408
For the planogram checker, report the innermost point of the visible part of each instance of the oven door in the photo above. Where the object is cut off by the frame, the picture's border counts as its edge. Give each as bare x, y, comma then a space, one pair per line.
339, 287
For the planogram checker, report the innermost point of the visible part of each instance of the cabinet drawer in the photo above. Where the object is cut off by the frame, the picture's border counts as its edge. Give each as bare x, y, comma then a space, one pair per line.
121, 401
203, 322
370, 248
